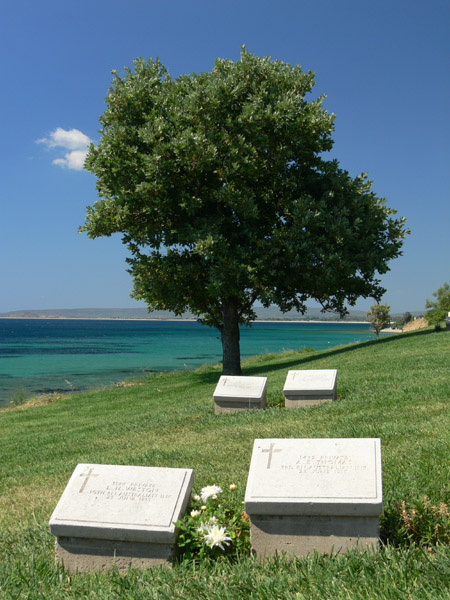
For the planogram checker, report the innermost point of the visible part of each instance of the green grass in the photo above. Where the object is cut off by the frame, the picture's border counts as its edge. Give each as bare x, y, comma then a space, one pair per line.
397, 389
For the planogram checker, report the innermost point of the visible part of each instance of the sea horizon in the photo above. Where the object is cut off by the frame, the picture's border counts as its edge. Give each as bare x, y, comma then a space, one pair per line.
179, 319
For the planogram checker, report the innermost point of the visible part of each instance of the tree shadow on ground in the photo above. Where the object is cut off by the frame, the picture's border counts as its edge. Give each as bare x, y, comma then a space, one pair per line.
304, 359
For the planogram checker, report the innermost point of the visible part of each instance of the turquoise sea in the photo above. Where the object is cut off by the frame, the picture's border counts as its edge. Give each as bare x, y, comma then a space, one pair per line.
61, 355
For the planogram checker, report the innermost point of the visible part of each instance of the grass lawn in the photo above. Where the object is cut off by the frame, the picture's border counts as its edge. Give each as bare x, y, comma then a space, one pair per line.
397, 389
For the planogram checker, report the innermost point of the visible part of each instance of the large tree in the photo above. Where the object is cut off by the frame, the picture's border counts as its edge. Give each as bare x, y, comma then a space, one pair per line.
219, 186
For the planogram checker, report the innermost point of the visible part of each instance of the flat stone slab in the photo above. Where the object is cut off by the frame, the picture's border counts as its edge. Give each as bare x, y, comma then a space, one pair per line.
310, 387
234, 393
307, 494
315, 477
109, 510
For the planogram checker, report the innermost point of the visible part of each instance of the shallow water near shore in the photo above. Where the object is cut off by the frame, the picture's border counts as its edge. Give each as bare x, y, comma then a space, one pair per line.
39, 356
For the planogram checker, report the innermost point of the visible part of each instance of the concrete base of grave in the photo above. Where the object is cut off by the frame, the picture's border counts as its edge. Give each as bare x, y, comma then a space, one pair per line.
301, 535
225, 406
85, 554
307, 400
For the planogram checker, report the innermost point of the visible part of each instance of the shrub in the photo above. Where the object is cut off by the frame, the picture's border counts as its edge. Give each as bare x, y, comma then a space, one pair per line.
419, 522
438, 310
215, 526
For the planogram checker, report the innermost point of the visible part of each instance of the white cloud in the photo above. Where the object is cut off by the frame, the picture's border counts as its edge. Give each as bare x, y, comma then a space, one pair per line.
73, 140
72, 160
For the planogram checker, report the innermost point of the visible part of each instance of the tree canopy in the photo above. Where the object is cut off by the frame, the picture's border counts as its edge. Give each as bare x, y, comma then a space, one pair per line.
218, 184
438, 309
379, 317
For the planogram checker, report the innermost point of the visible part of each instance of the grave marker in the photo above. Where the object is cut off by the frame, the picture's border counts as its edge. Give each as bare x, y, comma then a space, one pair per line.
122, 515
314, 494
303, 388
235, 393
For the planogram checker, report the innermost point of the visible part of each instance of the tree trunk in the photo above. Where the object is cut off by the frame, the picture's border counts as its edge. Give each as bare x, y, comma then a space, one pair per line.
231, 364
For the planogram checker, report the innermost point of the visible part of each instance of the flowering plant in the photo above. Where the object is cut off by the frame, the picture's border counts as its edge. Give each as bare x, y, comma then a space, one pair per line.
424, 523
210, 491
215, 525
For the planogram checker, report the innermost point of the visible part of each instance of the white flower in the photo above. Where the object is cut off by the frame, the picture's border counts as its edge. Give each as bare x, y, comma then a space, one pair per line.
216, 536
203, 507
195, 513
213, 520
233, 487
196, 498
210, 490
203, 528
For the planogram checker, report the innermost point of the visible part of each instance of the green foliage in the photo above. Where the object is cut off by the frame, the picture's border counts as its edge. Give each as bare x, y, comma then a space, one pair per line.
214, 526
218, 183
419, 522
379, 317
18, 397
406, 318
438, 309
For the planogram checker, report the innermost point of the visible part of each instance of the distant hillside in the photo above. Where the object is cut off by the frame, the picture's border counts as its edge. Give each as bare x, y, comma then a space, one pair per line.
92, 313
271, 313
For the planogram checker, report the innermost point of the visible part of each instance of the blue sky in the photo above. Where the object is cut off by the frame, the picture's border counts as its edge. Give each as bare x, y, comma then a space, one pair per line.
383, 65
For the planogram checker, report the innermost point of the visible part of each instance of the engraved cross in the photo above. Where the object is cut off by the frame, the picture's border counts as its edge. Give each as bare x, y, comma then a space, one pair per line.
270, 450
88, 475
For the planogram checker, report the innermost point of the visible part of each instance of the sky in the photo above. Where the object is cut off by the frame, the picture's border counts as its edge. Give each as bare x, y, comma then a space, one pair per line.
383, 65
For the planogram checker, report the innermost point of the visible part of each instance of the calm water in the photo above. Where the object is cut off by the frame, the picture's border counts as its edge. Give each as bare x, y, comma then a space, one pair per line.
40, 355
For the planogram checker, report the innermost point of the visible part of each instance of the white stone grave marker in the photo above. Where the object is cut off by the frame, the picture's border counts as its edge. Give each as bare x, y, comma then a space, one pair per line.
234, 393
122, 515
314, 494
303, 388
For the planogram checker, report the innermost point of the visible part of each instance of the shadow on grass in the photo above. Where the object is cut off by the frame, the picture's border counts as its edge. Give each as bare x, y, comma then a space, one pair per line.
304, 357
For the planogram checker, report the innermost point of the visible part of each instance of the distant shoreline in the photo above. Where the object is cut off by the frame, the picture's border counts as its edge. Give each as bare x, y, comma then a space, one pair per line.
186, 320
57, 318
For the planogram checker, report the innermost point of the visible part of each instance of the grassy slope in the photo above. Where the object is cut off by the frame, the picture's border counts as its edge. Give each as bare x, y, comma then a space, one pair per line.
396, 389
